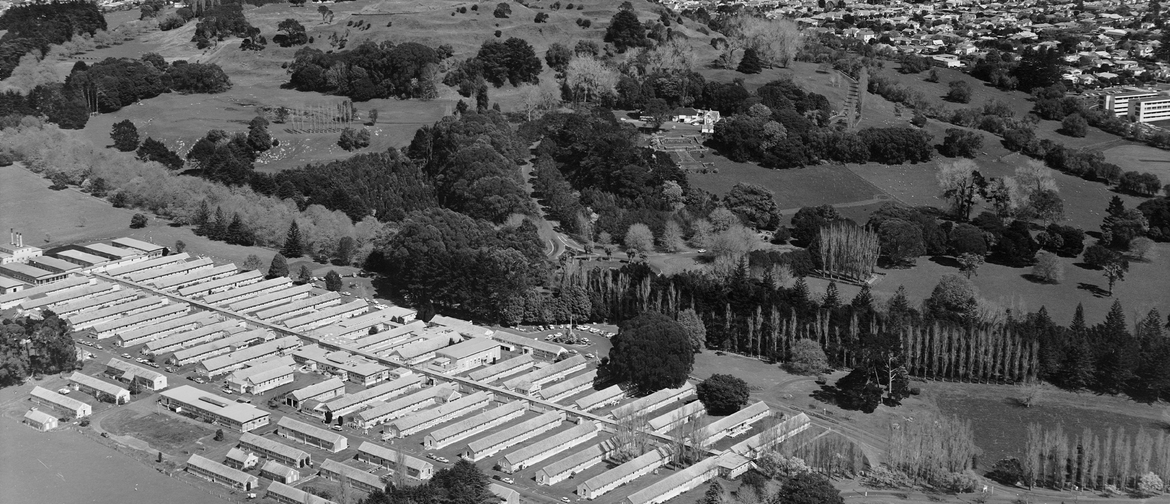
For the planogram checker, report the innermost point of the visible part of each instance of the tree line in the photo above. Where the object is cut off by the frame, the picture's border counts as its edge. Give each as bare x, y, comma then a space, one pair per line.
370, 70
37, 26
1114, 461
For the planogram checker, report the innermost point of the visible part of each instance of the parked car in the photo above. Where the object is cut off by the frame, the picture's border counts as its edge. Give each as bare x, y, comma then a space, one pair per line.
63, 390
125, 356
506, 479
200, 379
169, 369
336, 428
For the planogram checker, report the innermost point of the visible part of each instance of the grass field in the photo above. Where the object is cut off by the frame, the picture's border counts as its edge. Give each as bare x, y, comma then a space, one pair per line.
1142, 158
66, 216
167, 432
64, 466
794, 188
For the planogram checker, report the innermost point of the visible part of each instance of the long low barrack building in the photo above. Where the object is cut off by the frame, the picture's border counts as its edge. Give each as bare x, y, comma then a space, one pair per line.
772, 436
641, 465
153, 276
360, 400
357, 478
652, 402
214, 471
236, 279
100, 389
608, 396
381, 413
359, 326
227, 363
422, 350
134, 245
499, 370
477, 424
276, 471
560, 470
735, 423
388, 339
325, 316
312, 436
124, 324
96, 303
570, 387
674, 419
230, 343
285, 494
86, 320
321, 392
492, 444
378, 455
83, 259
298, 307
271, 299
13, 299
261, 377
188, 339
425, 419
677, 484
465, 355
533, 381
165, 328
57, 299
60, 403
249, 291
275, 450
506, 495
208, 407
534, 453
177, 282
123, 271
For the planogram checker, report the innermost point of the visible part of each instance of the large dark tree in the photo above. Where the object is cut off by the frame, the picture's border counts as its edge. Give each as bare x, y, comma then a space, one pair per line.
880, 377
652, 352
292, 242
722, 394
125, 136
754, 204
279, 267
808, 488
750, 62
154, 150
625, 31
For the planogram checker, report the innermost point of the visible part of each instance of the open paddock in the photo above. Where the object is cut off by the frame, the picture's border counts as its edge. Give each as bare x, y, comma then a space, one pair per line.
164, 431
794, 188
48, 217
1141, 158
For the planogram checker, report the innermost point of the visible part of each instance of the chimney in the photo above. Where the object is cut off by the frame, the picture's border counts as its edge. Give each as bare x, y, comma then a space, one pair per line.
11, 236
20, 239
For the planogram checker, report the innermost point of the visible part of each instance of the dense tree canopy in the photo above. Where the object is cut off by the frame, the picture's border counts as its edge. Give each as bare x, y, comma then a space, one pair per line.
722, 394
32, 346
370, 70
652, 352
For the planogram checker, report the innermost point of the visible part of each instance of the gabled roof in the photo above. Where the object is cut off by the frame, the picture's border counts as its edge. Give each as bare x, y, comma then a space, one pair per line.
317, 389
389, 454
653, 457
309, 430
273, 446
501, 367
211, 466
583, 429
483, 443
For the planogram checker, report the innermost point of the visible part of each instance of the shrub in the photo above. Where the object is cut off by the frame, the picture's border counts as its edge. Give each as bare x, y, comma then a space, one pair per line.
1048, 268
807, 357
956, 482
1074, 125
503, 10
138, 221
961, 143
959, 92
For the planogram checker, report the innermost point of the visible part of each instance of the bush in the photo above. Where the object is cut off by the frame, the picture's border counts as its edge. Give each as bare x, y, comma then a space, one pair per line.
722, 394
961, 143
959, 92
138, 221
1048, 268
503, 10
807, 357
1007, 471
1074, 125
1097, 256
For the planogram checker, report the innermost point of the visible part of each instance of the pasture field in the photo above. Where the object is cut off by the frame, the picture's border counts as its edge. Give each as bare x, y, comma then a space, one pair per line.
794, 188
257, 76
1142, 158
1000, 424
64, 466
65, 216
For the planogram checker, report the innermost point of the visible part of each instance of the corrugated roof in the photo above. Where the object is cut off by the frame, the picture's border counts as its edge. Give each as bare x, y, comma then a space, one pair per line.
245, 290
388, 389
470, 423
309, 430
221, 470
424, 416
384, 408
352, 473
162, 311
673, 481
50, 396
533, 343
515, 431
296, 494
548, 443
273, 446
39, 416
736, 418
252, 352
203, 274
129, 306
134, 370
316, 316
126, 242
53, 262
651, 402
277, 312
500, 368
592, 400
468, 348
317, 389
227, 408
157, 262
198, 318
219, 344
97, 384
687, 410
652, 458
389, 454
596, 451
567, 385
99, 288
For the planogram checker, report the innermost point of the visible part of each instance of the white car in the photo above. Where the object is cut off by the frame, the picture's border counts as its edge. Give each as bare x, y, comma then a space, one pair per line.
63, 390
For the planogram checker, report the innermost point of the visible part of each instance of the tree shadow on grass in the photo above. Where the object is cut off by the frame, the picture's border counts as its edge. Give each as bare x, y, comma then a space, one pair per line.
947, 261
1086, 266
1093, 289
828, 394
1037, 280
